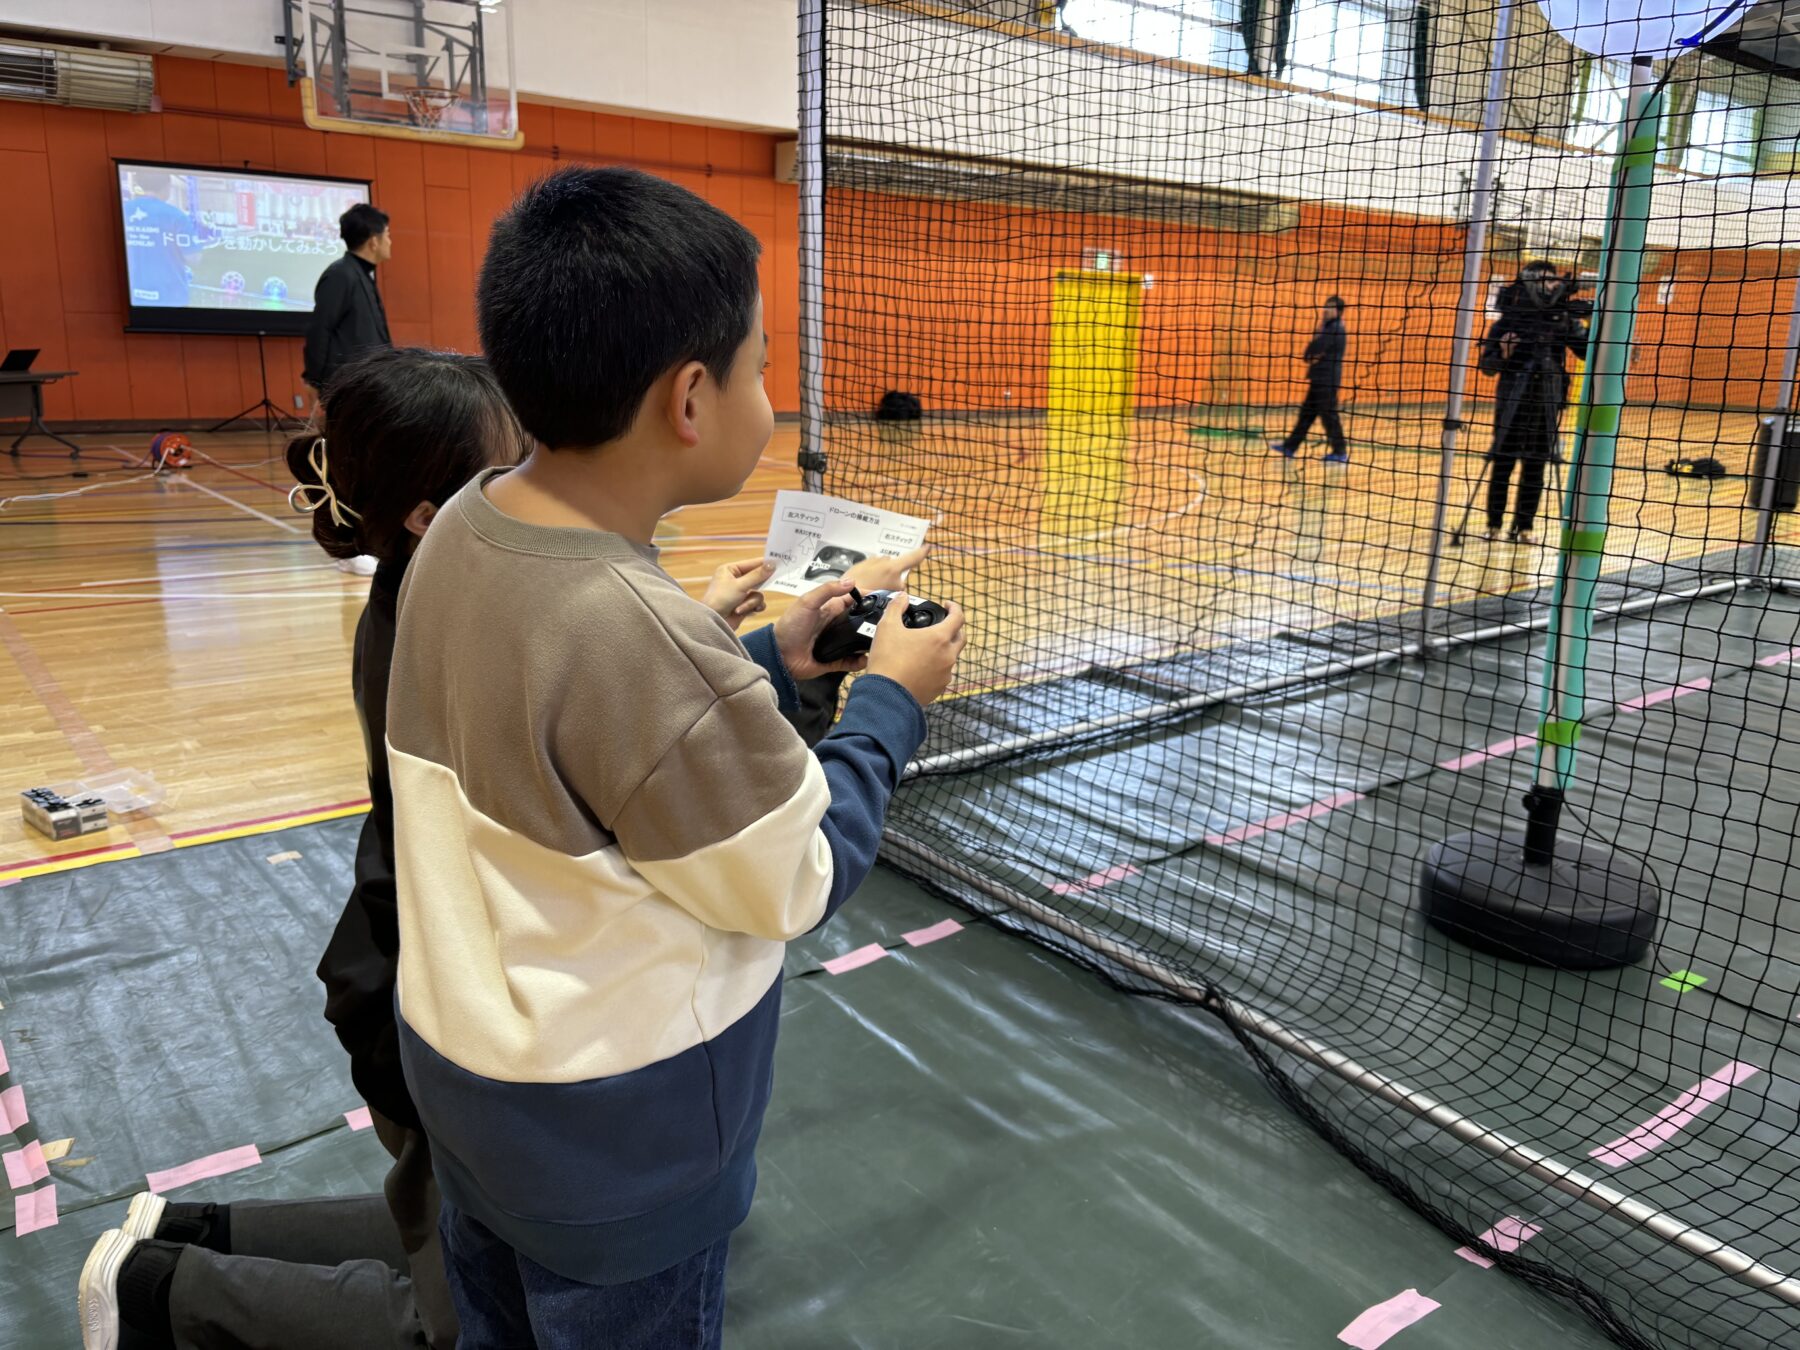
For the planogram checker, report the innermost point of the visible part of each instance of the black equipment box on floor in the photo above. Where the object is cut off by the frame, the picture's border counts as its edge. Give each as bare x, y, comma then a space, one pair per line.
1787, 483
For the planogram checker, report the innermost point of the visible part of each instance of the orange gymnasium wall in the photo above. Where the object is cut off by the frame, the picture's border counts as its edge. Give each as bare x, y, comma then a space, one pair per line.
61, 260
946, 299
952, 301
1712, 327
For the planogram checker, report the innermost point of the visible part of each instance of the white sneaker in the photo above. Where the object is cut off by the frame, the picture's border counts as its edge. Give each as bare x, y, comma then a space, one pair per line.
360, 566
144, 1215
99, 1290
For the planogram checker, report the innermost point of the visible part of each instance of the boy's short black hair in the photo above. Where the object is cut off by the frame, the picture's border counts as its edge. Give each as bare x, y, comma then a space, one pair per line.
360, 224
598, 281
1336, 302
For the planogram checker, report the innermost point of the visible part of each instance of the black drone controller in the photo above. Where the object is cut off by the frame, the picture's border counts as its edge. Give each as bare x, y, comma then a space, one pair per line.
853, 632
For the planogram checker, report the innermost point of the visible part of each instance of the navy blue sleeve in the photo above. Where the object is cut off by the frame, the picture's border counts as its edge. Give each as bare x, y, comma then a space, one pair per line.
763, 651
863, 758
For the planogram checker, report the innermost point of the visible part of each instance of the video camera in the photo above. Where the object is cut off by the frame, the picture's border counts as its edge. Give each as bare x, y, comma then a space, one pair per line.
1569, 301
1539, 287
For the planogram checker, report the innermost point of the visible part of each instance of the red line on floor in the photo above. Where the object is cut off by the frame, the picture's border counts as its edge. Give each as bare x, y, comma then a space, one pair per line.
61, 857
1675, 691
101, 604
53, 858
270, 820
1500, 749
1094, 882
1256, 829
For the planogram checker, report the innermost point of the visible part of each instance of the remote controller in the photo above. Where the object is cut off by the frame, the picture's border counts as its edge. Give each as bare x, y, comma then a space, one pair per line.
853, 632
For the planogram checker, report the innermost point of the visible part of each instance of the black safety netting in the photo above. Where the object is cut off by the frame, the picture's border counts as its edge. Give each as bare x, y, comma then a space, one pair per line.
1247, 415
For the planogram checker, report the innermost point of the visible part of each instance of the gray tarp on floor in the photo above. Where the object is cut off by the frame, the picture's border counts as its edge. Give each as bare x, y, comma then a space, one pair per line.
1315, 922
971, 1144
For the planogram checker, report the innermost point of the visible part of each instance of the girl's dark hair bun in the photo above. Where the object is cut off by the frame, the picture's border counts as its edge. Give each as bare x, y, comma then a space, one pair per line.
339, 541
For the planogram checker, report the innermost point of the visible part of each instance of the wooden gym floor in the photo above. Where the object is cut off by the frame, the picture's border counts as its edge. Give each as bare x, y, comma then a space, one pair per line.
187, 626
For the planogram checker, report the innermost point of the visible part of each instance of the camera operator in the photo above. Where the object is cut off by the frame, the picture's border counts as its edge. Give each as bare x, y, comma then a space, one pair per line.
1540, 322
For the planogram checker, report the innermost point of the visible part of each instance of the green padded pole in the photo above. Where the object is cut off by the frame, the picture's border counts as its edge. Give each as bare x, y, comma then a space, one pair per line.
1596, 433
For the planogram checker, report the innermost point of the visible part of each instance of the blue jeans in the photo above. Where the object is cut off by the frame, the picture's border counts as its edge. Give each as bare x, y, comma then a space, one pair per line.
507, 1301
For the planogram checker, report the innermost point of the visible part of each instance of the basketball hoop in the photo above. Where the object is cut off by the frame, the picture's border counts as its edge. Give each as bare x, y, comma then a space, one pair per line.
426, 104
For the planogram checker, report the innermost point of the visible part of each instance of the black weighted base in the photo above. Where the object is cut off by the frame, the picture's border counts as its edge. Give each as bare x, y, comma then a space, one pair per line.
1591, 908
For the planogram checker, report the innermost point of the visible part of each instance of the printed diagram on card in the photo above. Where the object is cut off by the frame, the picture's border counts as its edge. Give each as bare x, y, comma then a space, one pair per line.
814, 539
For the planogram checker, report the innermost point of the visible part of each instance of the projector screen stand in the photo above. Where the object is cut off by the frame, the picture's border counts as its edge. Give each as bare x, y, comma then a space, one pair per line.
264, 411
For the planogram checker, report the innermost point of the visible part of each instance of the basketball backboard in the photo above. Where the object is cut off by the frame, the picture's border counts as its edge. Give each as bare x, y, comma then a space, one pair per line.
425, 69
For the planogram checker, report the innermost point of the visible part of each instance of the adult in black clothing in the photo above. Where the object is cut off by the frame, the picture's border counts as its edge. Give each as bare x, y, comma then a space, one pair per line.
1540, 324
348, 319
1324, 358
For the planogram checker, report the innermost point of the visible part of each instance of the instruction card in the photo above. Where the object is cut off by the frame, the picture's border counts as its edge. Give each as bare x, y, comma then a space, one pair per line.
814, 539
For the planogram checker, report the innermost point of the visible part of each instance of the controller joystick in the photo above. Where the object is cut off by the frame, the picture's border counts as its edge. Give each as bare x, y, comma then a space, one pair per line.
853, 632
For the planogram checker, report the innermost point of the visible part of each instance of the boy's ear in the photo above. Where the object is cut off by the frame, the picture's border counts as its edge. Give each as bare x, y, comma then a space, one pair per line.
685, 391
419, 519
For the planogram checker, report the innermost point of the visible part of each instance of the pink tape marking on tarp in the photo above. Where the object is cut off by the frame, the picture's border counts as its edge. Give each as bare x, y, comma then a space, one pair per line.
1656, 696
213, 1165
359, 1119
1106, 878
1376, 1324
13, 1114
4, 1066
938, 931
1674, 1117
1269, 826
1498, 750
25, 1166
1506, 1236
862, 956
1781, 658
34, 1210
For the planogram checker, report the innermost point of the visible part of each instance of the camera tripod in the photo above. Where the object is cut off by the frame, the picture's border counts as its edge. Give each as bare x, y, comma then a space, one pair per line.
1556, 486
272, 418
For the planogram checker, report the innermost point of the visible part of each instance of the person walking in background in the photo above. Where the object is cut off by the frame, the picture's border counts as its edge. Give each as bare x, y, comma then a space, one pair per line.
1324, 358
348, 319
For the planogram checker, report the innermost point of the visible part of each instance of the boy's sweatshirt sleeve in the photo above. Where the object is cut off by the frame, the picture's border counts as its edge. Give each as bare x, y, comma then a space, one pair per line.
742, 826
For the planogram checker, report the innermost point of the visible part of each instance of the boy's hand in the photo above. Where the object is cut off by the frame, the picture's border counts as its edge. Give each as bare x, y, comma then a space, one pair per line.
919, 660
886, 574
733, 592
799, 628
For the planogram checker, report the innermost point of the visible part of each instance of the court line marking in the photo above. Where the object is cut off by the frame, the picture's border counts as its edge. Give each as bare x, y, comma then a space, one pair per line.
185, 577
208, 834
1689, 1107
180, 595
146, 834
1456, 764
242, 506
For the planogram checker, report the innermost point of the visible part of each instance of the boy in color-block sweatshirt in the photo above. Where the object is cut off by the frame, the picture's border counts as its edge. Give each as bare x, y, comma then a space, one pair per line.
605, 831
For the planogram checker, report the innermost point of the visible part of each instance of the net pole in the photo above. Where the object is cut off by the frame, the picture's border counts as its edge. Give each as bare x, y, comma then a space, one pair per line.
810, 163
1481, 205
1778, 424
1589, 496
1532, 1162
512, 81
312, 60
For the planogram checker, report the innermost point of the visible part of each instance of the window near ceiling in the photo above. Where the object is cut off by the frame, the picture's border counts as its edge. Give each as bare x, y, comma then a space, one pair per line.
1342, 47
1721, 137
1201, 31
